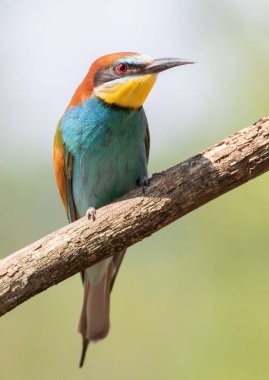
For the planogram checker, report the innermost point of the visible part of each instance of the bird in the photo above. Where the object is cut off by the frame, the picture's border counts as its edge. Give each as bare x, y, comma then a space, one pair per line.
101, 152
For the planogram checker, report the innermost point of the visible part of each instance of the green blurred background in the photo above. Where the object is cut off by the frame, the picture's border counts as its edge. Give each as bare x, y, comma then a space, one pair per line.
191, 302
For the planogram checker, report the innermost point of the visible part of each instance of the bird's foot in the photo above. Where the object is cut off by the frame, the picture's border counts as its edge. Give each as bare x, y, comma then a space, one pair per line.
143, 182
91, 214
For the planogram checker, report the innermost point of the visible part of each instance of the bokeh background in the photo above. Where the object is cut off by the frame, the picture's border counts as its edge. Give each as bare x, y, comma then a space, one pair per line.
192, 301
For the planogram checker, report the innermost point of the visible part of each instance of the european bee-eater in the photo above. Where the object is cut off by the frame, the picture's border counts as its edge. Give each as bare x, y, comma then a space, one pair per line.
101, 151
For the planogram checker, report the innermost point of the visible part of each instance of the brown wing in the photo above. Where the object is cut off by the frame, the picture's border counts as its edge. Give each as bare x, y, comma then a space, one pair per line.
63, 165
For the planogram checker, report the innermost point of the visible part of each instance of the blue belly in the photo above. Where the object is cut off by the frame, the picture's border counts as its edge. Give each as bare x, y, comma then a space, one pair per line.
108, 148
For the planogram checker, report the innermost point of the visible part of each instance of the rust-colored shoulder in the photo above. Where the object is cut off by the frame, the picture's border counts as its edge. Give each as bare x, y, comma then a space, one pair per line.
59, 164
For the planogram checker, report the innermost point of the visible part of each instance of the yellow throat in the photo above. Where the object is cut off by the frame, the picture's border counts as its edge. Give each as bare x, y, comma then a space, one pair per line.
130, 92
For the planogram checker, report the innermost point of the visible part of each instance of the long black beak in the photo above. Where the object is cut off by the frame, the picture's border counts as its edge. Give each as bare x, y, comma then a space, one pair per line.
162, 64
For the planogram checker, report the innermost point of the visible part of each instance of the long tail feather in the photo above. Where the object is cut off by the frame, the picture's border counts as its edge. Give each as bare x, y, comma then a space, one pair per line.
85, 343
94, 320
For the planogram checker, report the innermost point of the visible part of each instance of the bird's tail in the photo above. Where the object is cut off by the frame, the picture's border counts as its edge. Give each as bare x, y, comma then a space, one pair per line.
94, 320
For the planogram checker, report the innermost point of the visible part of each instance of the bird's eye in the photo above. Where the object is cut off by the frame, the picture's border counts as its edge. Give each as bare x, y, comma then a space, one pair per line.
121, 68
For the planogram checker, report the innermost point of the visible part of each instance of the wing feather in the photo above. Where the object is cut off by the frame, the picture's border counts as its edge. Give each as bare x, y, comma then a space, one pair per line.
147, 142
63, 166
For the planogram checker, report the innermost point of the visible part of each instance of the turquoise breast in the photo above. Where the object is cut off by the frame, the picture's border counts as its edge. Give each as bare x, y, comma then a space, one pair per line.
108, 148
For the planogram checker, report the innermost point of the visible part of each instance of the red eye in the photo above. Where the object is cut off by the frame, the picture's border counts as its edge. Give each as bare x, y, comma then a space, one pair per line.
121, 67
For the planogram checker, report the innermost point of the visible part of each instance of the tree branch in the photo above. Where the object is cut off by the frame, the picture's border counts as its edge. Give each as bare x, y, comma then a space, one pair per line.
172, 194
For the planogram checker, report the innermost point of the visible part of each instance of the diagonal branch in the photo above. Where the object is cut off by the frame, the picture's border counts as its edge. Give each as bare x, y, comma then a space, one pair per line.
172, 194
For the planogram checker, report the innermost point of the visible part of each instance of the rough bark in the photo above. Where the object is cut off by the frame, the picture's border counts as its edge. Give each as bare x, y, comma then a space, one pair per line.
172, 194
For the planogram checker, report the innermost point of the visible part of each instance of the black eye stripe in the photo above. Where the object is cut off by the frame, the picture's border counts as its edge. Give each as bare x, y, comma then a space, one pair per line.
111, 73
135, 66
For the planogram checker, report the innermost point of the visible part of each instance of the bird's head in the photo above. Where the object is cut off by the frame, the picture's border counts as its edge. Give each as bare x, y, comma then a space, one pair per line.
123, 79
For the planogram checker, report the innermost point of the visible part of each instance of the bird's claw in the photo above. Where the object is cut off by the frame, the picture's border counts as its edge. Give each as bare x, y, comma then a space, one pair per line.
91, 214
143, 182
